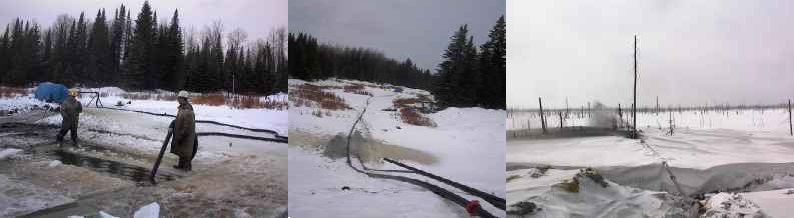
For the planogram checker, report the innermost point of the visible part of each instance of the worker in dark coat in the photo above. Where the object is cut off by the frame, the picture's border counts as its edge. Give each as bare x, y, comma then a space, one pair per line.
184, 131
70, 112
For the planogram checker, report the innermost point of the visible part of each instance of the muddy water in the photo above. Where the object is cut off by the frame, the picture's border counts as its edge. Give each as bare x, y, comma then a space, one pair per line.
368, 149
116, 169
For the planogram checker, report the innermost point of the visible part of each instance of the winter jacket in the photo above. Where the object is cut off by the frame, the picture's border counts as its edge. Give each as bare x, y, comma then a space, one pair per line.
70, 112
184, 139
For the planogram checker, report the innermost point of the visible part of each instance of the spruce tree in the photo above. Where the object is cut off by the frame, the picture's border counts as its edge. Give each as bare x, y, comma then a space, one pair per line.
141, 47
451, 69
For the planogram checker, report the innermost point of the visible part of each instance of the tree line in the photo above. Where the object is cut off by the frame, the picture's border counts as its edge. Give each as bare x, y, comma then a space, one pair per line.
141, 54
468, 76
311, 60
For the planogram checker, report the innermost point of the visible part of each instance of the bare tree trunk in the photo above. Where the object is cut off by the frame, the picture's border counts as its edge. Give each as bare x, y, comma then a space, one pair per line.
560, 119
790, 130
542, 119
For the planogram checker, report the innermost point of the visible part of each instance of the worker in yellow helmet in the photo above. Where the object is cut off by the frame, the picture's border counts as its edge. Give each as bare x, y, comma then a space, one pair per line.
70, 112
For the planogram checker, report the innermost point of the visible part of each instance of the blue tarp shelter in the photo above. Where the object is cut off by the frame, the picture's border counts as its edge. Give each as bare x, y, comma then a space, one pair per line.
51, 92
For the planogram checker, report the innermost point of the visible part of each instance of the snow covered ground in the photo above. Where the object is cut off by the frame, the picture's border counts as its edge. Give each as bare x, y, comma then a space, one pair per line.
706, 150
132, 139
465, 146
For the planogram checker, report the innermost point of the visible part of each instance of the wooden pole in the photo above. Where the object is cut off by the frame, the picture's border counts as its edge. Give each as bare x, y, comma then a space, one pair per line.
634, 105
790, 129
542, 120
620, 115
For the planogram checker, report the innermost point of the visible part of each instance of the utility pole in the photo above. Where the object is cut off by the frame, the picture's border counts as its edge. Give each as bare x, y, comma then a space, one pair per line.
634, 105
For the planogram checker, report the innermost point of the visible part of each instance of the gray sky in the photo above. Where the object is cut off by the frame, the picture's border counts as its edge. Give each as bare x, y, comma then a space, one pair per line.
690, 52
416, 29
256, 17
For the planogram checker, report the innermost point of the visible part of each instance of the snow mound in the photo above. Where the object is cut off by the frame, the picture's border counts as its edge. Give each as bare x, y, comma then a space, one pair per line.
592, 196
730, 205
8, 153
149, 211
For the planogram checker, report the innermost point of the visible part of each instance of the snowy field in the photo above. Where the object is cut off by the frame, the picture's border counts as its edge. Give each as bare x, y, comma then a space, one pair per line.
465, 146
711, 151
134, 139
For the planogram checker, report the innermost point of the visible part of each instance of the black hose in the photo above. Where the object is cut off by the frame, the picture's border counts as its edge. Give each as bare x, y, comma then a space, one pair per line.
241, 136
446, 194
205, 121
493, 200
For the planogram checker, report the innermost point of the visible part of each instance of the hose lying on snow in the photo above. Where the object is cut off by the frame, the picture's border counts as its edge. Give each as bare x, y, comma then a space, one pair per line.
279, 138
495, 201
241, 136
457, 199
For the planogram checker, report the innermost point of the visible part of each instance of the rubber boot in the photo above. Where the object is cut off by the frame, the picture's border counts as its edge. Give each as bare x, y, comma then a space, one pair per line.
179, 164
185, 162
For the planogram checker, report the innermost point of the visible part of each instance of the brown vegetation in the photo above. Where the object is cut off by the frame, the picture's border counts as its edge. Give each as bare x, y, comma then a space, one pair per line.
215, 99
357, 89
310, 95
9, 92
410, 116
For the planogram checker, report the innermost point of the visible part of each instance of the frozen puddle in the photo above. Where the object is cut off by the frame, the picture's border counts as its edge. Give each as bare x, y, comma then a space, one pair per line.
19, 197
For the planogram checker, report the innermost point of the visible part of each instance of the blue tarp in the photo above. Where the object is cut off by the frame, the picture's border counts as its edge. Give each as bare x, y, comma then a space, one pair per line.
51, 92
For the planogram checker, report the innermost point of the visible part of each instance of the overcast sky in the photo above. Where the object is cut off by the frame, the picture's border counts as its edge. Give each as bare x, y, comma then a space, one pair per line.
256, 17
416, 29
690, 52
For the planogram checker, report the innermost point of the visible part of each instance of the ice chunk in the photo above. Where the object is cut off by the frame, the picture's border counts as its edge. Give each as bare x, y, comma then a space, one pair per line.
149, 211
54, 163
7, 153
102, 214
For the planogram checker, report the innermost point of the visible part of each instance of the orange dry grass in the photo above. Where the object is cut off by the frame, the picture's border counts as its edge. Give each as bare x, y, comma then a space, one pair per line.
239, 101
308, 95
215, 99
356, 89
404, 102
209, 99
412, 117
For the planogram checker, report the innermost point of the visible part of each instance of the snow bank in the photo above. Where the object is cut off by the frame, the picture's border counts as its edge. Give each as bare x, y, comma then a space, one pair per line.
775, 203
593, 199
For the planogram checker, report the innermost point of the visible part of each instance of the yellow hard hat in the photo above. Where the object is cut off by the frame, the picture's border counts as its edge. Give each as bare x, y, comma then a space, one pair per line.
73, 92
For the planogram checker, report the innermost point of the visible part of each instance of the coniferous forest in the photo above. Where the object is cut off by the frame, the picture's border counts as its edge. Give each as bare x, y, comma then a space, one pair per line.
468, 76
141, 53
